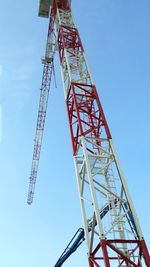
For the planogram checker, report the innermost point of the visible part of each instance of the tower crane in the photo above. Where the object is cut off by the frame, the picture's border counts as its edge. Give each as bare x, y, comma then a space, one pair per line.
111, 228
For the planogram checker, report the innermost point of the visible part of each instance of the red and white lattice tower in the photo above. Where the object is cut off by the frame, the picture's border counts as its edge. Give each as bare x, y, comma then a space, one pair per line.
114, 239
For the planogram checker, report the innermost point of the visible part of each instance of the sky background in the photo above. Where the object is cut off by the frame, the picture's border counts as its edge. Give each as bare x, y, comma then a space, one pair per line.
116, 38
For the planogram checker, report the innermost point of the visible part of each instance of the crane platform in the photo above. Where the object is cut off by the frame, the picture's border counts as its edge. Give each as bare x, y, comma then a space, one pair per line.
44, 7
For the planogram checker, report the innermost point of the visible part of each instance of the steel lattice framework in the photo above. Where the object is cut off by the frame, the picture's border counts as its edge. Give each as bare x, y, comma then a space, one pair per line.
48, 62
114, 239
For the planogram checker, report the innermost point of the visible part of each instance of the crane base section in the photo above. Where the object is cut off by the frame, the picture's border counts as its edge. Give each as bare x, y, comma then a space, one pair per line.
44, 7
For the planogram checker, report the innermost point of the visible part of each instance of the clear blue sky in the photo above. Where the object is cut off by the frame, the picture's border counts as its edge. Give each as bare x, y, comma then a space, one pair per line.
116, 37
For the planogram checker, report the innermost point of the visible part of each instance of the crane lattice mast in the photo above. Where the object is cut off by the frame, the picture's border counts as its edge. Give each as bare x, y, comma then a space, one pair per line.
115, 237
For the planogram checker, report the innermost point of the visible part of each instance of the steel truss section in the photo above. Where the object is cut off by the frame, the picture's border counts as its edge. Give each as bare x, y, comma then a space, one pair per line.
116, 236
119, 258
48, 62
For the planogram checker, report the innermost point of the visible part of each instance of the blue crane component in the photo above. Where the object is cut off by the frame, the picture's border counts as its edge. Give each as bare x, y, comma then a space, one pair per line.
130, 218
75, 242
79, 236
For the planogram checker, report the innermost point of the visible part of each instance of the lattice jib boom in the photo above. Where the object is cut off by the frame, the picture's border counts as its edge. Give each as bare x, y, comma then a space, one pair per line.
48, 62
